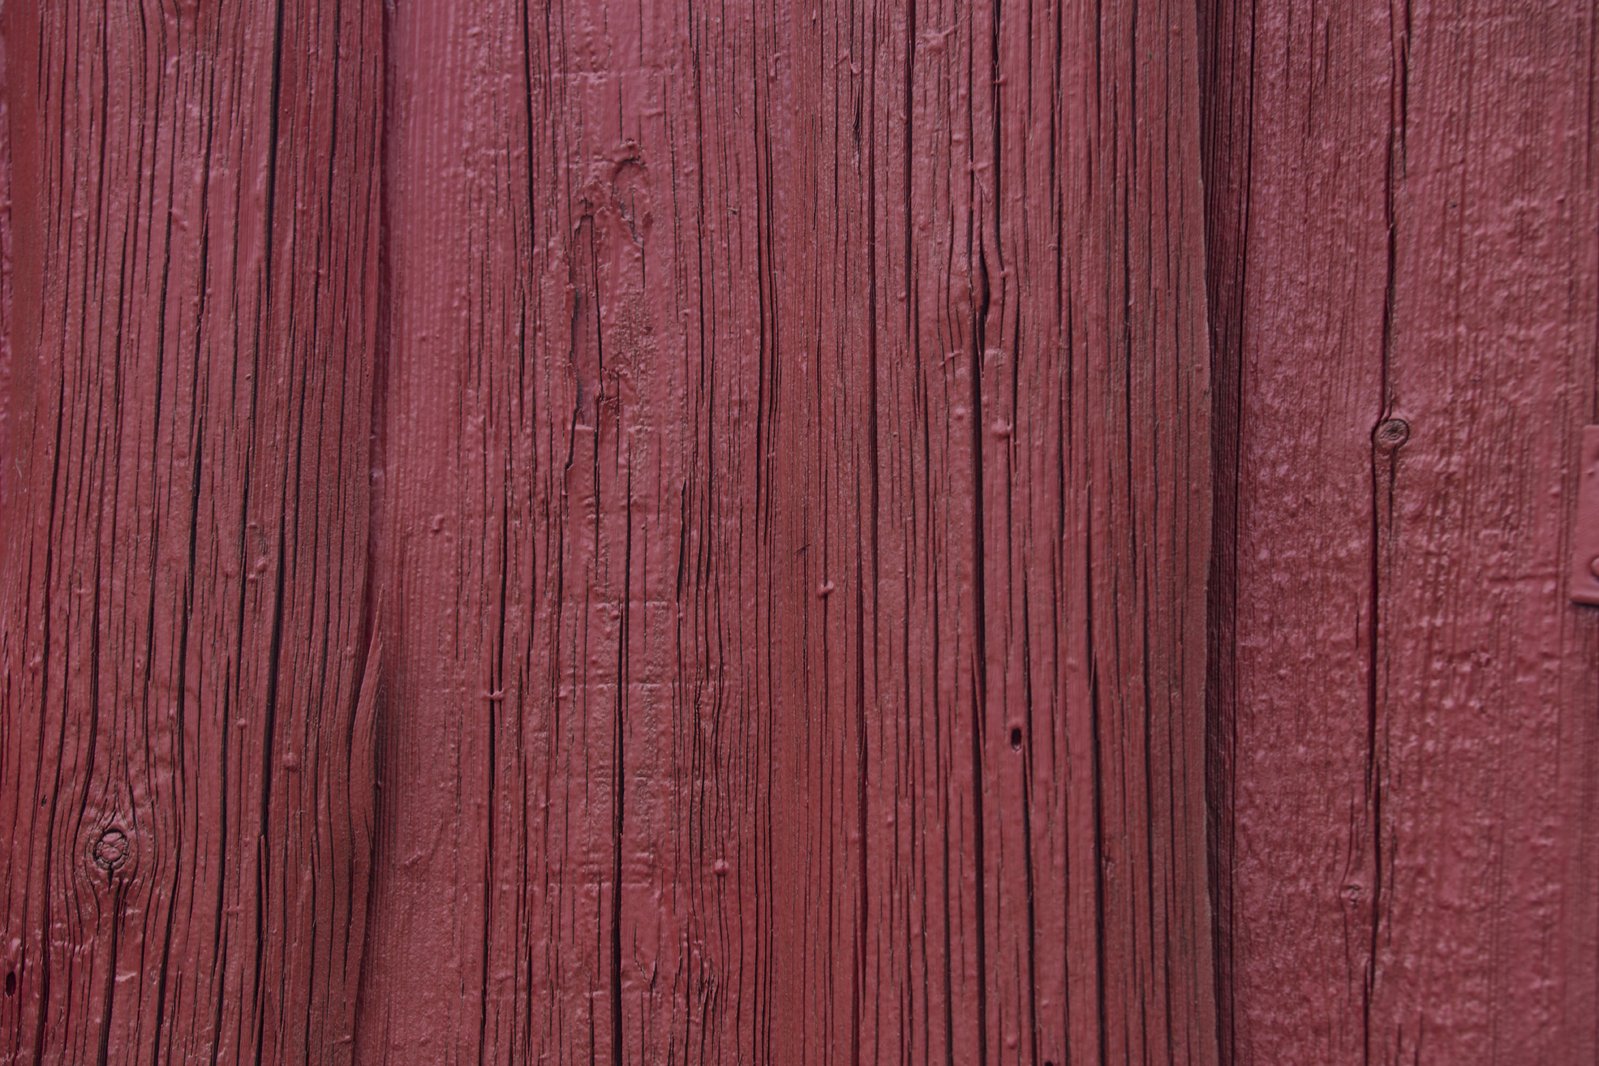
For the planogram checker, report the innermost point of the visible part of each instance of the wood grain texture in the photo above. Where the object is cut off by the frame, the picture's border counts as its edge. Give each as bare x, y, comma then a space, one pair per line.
795, 509
1405, 273
575, 859
10, 389
587, 531
993, 414
186, 774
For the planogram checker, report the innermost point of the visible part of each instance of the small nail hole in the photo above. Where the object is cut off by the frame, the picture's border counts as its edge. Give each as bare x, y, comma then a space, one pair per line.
11, 982
1016, 737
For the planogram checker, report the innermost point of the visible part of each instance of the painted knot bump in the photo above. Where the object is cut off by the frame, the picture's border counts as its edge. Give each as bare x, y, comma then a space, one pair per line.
1391, 433
111, 850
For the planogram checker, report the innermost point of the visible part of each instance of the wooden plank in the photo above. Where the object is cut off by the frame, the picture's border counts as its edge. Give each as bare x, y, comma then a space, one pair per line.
795, 508
574, 860
11, 391
1298, 258
1406, 269
186, 775
993, 410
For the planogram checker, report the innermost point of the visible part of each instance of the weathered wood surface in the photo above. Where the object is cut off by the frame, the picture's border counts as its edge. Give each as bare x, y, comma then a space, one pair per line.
795, 504
1404, 267
769, 446
186, 791
10, 464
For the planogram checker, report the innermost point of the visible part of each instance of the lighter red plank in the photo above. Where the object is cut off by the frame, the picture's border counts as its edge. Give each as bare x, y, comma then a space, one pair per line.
1405, 280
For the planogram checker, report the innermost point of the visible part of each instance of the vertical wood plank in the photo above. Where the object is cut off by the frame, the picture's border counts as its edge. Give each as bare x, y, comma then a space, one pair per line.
185, 776
1404, 240
993, 402
1296, 155
11, 389
1485, 667
574, 859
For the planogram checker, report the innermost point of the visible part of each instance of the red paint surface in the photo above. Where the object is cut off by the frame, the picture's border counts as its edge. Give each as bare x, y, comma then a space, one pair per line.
679, 533
770, 428
186, 790
1404, 266
10, 388
1584, 574
768, 448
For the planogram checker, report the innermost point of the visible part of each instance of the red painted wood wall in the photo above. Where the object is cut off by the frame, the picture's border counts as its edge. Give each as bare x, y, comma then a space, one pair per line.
1403, 239
668, 531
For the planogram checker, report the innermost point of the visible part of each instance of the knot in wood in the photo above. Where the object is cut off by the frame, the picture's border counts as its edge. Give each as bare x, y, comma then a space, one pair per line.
1392, 433
111, 850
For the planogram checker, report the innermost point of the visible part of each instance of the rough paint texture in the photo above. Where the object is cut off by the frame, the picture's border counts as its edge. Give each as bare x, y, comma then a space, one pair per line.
794, 515
186, 790
650, 532
11, 466
768, 446
1404, 266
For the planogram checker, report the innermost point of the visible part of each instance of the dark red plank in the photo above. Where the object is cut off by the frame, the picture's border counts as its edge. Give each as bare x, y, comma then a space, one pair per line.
186, 772
11, 393
993, 410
